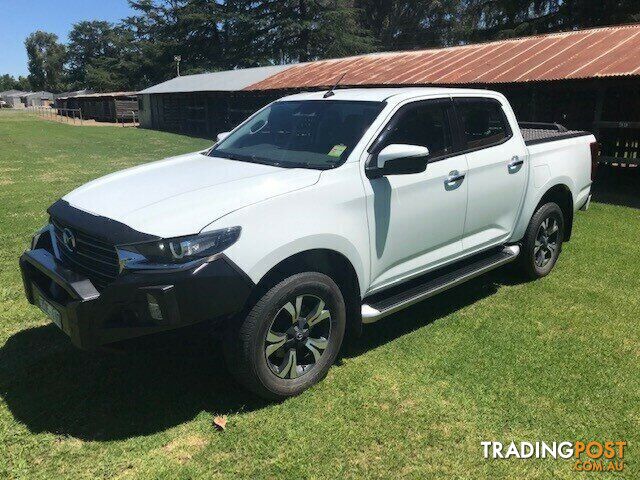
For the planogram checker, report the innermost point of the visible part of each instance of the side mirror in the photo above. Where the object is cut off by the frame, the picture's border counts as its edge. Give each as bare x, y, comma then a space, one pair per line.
398, 159
223, 135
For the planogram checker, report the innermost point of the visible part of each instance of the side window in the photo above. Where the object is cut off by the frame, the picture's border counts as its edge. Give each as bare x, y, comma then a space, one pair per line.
483, 122
425, 124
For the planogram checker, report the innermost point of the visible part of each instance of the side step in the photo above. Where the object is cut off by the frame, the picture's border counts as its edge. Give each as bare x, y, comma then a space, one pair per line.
386, 306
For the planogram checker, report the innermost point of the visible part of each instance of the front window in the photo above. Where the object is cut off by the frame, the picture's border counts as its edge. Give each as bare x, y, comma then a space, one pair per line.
425, 124
317, 134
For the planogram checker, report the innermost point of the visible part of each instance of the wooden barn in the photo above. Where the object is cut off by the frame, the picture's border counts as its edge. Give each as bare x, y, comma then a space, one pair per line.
102, 107
204, 104
586, 79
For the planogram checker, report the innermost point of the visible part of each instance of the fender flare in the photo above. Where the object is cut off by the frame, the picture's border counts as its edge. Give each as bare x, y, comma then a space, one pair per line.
330, 242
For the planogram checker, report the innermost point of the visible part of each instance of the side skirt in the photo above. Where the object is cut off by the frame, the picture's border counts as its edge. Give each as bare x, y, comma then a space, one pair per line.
380, 307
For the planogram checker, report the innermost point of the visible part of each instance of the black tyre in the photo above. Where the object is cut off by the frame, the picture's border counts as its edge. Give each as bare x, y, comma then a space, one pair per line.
542, 242
290, 338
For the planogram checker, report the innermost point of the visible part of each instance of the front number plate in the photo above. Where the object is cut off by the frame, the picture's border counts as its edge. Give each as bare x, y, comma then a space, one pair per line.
49, 309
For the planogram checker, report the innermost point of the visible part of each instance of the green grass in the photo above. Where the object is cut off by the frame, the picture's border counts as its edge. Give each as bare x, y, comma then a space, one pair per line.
553, 360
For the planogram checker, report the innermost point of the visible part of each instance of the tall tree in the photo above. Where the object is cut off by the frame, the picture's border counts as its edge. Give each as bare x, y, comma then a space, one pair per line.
490, 19
89, 43
122, 66
188, 28
23, 84
212, 35
298, 30
585, 13
407, 25
8, 82
46, 59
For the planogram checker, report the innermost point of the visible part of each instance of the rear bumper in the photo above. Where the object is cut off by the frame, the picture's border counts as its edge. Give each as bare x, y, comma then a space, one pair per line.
214, 289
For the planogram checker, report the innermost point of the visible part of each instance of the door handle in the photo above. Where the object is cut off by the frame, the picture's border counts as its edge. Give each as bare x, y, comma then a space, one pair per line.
515, 164
454, 180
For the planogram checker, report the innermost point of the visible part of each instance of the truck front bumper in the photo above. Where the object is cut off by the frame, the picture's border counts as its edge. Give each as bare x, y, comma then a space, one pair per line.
137, 303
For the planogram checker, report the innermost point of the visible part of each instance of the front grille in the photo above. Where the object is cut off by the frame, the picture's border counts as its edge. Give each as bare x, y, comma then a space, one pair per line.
93, 258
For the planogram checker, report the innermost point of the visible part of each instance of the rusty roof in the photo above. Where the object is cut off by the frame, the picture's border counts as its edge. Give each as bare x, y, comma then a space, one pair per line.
599, 52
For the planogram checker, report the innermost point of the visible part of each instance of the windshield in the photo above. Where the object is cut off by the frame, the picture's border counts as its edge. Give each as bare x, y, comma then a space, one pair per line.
316, 134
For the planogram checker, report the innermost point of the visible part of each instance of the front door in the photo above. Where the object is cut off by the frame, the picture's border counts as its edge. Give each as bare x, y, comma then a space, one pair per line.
497, 173
416, 221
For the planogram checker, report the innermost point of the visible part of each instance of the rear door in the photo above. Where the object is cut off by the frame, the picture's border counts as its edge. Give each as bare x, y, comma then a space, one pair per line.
496, 174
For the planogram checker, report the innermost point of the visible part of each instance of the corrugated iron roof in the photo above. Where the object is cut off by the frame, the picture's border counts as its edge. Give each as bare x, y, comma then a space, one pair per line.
101, 95
226, 81
600, 52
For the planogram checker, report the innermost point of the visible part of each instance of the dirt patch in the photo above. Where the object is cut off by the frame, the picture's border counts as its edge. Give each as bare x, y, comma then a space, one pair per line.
182, 449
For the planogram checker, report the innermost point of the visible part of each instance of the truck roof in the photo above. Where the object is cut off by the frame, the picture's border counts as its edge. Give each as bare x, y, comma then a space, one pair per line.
383, 94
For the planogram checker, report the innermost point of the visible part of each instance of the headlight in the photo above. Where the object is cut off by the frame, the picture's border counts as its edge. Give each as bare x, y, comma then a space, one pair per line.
177, 250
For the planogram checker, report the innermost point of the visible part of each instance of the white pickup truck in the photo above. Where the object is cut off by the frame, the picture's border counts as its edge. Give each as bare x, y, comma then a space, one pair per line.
321, 212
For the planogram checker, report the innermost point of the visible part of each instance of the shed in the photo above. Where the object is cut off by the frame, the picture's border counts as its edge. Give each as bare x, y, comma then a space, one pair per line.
8, 93
13, 98
586, 79
102, 107
204, 104
38, 99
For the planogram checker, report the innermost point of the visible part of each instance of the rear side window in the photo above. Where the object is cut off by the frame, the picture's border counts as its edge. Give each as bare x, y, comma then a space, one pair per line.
482, 121
425, 124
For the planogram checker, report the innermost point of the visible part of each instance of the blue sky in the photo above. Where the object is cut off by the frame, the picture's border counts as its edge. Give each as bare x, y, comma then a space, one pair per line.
18, 18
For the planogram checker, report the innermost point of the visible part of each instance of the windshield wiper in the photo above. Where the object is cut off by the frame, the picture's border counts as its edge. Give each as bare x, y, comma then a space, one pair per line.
239, 157
313, 166
267, 161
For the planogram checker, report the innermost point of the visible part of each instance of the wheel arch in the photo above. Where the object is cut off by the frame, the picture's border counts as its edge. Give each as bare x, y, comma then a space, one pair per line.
323, 260
561, 195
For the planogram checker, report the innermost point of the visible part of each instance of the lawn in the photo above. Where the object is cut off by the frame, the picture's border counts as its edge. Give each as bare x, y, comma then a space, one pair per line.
496, 359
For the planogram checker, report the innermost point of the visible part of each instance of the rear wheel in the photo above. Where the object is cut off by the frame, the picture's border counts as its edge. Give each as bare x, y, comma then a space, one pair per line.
542, 241
290, 338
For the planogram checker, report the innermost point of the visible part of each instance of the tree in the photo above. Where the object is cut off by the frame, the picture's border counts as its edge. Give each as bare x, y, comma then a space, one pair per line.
214, 35
7, 82
23, 84
46, 61
584, 13
285, 31
189, 28
481, 20
407, 25
89, 43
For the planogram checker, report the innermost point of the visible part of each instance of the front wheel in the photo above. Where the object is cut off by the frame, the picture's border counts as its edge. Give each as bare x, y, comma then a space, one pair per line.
290, 338
542, 241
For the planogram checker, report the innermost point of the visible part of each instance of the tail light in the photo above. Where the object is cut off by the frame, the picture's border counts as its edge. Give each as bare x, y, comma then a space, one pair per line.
595, 157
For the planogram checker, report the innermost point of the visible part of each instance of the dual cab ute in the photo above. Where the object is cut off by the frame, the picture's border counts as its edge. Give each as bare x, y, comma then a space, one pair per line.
321, 212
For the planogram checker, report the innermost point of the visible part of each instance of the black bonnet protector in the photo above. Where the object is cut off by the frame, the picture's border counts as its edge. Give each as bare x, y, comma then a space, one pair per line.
111, 231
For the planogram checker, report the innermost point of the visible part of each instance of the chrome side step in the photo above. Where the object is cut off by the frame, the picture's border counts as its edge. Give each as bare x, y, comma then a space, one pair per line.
387, 306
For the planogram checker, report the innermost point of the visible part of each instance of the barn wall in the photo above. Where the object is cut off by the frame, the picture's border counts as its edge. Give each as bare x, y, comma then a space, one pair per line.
124, 109
203, 114
610, 108
144, 111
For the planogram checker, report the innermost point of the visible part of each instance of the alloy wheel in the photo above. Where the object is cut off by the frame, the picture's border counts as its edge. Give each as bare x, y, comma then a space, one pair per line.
547, 242
298, 336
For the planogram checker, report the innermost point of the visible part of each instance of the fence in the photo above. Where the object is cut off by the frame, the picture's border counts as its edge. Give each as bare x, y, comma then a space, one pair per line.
70, 114
74, 115
123, 116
